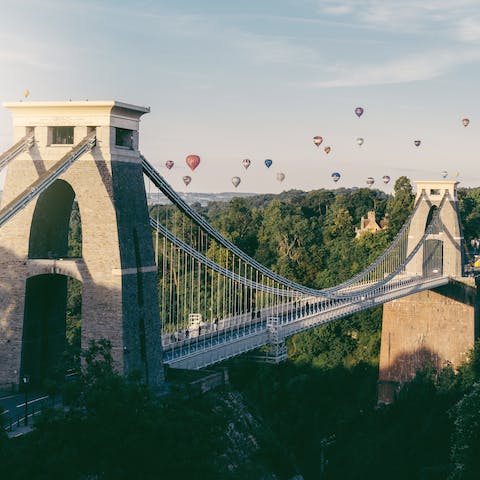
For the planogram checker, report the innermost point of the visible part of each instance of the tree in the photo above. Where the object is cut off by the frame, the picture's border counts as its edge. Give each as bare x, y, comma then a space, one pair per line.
465, 450
115, 428
289, 242
338, 224
400, 205
469, 207
239, 224
364, 200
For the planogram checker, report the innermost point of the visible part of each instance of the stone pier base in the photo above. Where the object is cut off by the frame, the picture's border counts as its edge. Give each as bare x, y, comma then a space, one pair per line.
434, 327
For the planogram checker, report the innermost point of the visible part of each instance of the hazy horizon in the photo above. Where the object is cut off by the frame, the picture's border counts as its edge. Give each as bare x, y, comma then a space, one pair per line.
259, 80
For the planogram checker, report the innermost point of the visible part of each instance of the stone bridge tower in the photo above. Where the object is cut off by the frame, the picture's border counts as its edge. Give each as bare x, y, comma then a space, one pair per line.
434, 327
446, 243
116, 265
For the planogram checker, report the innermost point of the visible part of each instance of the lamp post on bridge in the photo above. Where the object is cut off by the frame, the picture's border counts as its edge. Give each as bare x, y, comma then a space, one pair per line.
26, 382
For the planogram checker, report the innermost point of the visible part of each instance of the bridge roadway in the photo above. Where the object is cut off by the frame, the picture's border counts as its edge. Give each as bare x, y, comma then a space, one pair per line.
241, 334
12, 409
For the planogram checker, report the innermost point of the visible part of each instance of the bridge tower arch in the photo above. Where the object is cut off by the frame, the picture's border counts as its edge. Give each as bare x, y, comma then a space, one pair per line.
447, 240
116, 267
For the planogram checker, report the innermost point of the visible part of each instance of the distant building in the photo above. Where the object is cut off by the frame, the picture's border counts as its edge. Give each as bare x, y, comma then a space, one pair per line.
370, 224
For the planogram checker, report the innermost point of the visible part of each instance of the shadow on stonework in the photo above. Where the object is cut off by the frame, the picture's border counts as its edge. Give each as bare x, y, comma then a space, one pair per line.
34, 306
466, 294
403, 369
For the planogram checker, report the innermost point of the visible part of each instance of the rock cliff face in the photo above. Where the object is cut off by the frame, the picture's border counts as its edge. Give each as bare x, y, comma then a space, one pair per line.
250, 448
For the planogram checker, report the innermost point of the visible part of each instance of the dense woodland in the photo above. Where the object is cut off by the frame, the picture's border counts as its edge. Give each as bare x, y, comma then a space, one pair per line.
315, 415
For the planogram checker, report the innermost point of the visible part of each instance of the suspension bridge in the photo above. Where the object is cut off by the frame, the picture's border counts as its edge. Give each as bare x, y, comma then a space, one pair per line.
162, 284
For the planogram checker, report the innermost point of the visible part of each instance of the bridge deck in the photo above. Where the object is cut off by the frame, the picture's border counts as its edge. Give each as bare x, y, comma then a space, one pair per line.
230, 340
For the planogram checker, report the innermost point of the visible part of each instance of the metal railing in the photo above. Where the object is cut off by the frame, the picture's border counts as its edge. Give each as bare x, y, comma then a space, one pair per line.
43, 182
24, 144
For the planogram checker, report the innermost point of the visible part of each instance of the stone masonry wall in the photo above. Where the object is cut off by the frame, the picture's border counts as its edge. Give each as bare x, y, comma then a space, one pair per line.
108, 184
432, 327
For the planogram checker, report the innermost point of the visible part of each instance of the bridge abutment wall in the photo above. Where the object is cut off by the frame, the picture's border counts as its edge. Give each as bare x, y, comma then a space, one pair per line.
429, 328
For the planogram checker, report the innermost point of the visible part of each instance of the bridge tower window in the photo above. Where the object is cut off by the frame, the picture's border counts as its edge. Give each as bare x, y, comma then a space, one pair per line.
124, 138
61, 135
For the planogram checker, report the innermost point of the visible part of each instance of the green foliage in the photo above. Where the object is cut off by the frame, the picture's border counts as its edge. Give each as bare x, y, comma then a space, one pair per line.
288, 241
465, 452
469, 208
400, 205
320, 404
239, 224
73, 324
345, 343
306, 406
116, 429
470, 370
338, 224
75, 232
430, 432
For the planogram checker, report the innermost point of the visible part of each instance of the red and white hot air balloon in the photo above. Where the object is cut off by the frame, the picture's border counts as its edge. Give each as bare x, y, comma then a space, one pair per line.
193, 161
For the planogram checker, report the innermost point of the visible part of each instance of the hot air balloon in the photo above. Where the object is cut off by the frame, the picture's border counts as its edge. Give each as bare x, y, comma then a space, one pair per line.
444, 173
246, 163
169, 164
370, 181
328, 150
236, 181
386, 179
268, 162
193, 161
187, 180
335, 176
26, 93
417, 143
465, 122
317, 140
360, 141
280, 176
359, 112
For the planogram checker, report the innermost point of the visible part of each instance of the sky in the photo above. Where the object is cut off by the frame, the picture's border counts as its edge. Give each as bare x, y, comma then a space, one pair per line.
258, 79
